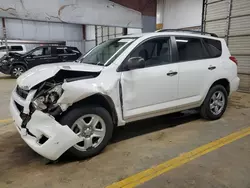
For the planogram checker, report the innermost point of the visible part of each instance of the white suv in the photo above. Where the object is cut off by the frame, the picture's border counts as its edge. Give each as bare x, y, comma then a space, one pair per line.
18, 48
75, 107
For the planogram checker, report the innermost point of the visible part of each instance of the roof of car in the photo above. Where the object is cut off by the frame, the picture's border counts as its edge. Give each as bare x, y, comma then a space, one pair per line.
60, 46
179, 33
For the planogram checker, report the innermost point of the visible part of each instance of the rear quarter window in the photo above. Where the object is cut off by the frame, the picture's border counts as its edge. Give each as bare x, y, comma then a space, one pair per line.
214, 47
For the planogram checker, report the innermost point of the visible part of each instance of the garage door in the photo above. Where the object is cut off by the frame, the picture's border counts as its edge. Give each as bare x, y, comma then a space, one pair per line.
230, 19
103, 33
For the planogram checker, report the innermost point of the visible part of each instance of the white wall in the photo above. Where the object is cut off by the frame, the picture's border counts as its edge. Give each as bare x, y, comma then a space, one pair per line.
160, 11
134, 31
36, 30
182, 13
96, 12
90, 37
45, 31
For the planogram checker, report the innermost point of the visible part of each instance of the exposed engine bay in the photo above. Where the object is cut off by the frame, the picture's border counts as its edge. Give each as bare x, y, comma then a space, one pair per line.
49, 91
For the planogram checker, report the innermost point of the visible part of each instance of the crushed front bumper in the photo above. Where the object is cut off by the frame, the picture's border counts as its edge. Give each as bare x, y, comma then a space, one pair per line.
42, 133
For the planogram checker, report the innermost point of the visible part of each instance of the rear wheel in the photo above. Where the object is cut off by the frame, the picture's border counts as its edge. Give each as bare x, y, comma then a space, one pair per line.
93, 125
215, 103
17, 70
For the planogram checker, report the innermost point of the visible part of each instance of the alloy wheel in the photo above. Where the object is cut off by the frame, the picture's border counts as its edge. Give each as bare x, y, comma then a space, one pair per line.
91, 129
217, 102
17, 71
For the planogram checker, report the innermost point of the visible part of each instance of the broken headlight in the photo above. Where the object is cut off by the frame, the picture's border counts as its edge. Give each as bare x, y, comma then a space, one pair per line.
46, 100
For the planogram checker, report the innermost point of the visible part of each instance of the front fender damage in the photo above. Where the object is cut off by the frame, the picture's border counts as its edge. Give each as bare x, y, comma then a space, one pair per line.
59, 138
76, 91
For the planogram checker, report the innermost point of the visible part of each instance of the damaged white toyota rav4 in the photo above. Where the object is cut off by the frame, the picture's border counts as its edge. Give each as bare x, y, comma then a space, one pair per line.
74, 107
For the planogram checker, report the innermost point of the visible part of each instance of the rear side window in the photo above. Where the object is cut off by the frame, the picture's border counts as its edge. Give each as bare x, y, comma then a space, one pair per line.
214, 47
72, 50
60, 51
16, 48
190, 49
69, 51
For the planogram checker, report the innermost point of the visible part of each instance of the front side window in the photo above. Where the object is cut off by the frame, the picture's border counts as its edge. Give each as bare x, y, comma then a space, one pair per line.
103, 52
38, 52
42, 51
154, 52
47, 51
190, 49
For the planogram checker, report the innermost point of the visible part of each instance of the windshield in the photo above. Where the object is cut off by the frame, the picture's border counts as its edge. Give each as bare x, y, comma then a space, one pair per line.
103, 53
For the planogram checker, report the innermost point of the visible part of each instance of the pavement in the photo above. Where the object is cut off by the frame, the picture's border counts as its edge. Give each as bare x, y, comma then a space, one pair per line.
135, 148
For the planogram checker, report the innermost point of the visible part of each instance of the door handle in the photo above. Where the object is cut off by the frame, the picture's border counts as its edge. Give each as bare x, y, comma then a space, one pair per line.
211, 67
172, 73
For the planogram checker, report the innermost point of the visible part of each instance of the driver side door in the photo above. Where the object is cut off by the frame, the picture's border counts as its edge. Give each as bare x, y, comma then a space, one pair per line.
153, 89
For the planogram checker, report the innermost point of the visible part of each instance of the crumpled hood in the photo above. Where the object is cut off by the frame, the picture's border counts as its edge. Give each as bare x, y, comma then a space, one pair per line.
40, 73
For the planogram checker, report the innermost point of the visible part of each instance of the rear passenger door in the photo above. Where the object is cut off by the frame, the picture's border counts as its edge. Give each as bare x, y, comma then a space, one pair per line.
195, 69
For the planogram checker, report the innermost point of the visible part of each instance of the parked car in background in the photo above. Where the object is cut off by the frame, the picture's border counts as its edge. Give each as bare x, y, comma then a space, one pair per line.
15, 64
18, 48
75, 107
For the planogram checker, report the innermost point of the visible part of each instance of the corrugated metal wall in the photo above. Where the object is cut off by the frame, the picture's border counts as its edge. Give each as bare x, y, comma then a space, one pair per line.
230, 19
72, 34
104, 33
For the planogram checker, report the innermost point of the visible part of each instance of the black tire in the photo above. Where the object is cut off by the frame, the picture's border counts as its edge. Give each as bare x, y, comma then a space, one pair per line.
75, 113
205, 110
20, 68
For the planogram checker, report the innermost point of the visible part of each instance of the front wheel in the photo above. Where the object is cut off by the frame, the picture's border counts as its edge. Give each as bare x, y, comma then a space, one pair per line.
17, 70
93, 124
215, 103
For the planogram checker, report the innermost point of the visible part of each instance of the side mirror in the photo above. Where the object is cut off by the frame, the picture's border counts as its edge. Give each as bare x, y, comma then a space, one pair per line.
135, 62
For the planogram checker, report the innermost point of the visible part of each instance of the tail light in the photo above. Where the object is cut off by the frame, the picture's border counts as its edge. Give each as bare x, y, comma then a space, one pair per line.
232, 58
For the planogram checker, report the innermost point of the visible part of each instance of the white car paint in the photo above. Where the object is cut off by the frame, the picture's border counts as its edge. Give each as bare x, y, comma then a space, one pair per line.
146, 92
3, 52
42, 72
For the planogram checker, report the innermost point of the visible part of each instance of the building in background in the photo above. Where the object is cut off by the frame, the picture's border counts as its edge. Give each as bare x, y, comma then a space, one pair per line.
229, 19
179, 14
82, 24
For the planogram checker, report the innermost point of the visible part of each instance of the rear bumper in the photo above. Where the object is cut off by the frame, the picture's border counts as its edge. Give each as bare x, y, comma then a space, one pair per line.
59, 138
234, 84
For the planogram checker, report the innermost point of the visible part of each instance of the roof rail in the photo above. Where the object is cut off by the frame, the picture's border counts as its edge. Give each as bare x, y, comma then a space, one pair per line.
189, 31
